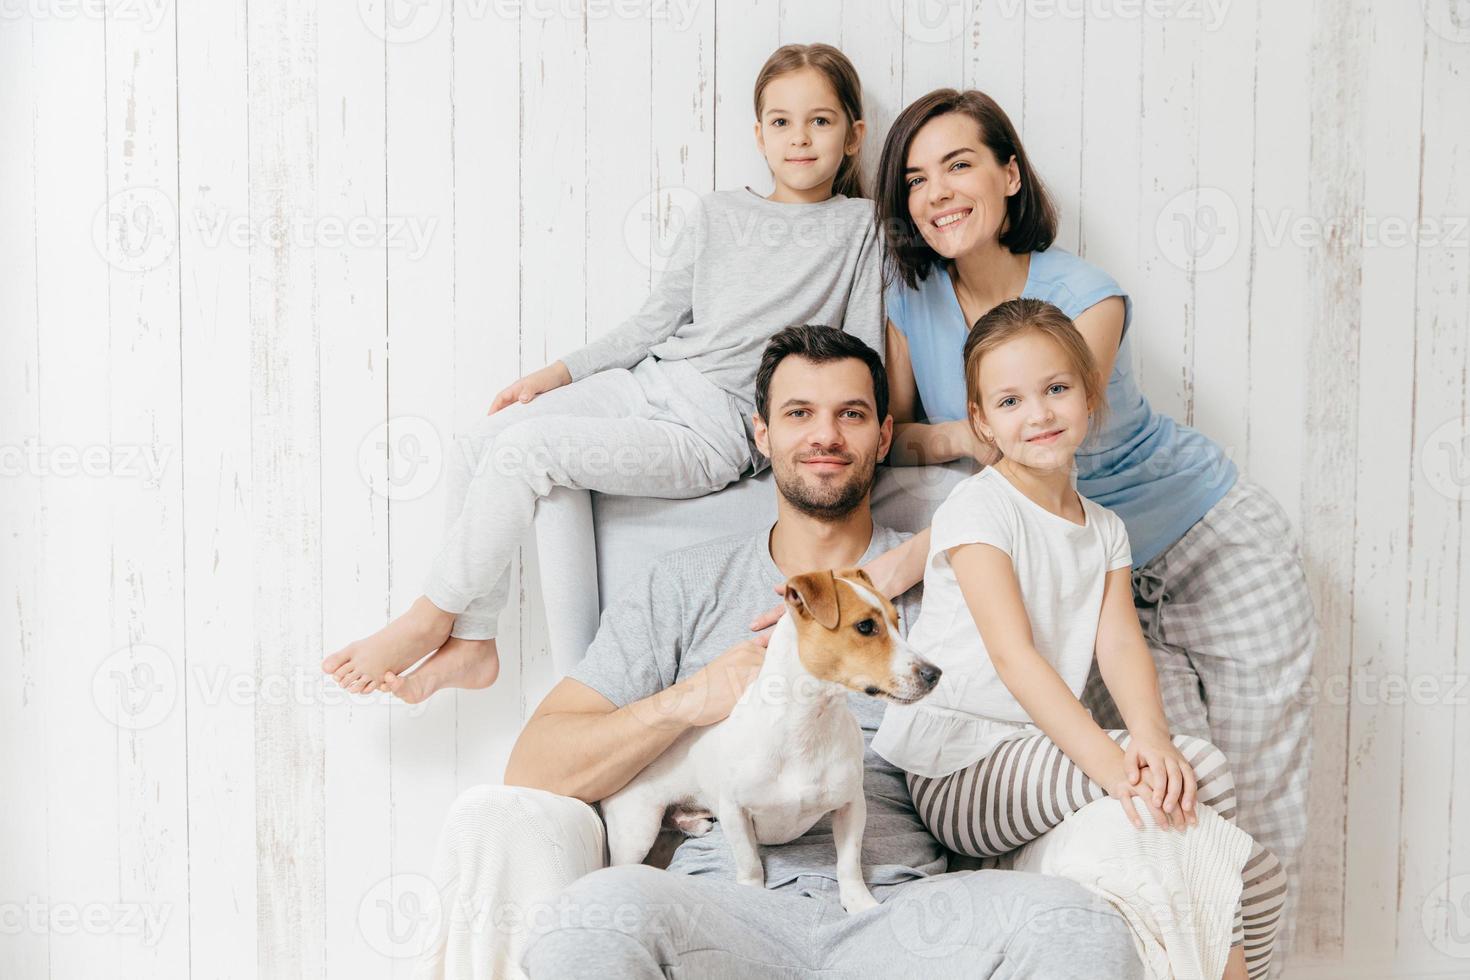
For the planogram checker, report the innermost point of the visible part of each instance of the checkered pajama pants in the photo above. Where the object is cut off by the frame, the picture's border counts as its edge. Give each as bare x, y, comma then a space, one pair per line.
1229, 620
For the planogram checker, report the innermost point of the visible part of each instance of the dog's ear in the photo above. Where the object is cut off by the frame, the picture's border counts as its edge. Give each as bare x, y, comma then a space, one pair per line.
858, 574
815, 595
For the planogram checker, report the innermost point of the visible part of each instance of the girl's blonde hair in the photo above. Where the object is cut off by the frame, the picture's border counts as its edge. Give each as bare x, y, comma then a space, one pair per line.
842, 76
1016, 318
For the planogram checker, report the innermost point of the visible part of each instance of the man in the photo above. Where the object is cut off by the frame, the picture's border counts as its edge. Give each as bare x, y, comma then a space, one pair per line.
674, 652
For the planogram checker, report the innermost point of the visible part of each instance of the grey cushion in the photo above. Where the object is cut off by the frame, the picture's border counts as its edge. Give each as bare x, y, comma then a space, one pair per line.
589, 545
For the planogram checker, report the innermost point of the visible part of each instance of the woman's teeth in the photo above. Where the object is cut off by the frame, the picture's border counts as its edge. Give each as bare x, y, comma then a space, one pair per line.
950, 219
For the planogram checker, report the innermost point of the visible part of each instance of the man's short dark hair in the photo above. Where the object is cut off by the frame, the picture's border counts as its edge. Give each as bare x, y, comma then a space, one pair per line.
818, 344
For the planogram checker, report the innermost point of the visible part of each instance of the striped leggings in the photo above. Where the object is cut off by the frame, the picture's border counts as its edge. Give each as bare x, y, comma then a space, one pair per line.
1028, 785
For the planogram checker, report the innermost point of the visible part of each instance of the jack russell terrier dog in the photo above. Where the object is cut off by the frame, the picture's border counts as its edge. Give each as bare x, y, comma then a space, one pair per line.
790, 751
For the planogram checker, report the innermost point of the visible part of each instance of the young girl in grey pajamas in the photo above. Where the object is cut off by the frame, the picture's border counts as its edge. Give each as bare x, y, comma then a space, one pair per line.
1025, 584
661, 405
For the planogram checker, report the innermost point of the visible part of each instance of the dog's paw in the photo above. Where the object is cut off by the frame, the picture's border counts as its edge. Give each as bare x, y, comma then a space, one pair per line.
691, 823
758, 881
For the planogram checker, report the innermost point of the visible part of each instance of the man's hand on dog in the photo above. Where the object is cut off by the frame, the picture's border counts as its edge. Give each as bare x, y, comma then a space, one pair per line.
713, 690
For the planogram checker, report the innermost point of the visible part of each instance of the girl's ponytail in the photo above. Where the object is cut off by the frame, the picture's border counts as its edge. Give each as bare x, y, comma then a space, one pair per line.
843, 77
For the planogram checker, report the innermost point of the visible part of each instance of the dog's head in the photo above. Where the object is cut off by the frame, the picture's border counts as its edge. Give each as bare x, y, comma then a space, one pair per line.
847, 633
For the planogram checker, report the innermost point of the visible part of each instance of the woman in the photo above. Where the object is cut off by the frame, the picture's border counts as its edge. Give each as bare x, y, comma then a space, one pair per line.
1217, 579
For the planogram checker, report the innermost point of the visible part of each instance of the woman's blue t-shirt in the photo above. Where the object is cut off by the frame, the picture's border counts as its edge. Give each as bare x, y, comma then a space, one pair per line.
1159, 476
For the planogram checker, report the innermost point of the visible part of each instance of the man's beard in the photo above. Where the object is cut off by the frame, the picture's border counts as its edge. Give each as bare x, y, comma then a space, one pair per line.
828, 501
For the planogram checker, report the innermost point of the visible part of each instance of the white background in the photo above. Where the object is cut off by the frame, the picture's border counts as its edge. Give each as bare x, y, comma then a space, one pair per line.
260, 260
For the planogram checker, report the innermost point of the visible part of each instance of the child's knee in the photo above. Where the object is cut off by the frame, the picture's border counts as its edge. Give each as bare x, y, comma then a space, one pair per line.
1212, 772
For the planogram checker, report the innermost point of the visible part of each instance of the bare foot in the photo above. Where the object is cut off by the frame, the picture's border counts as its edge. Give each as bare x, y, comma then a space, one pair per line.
468, 664
360, 665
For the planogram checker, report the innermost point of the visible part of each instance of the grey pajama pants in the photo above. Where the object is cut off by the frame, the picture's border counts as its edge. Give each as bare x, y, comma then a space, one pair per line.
1229, 620
659, 430
639, 923
1027, 786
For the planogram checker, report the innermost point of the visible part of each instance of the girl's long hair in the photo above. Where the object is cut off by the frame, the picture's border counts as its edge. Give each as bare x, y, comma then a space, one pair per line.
843, 77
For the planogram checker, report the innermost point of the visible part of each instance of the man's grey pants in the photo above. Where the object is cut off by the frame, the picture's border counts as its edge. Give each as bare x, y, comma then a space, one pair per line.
637, 922
518, 882
659, 430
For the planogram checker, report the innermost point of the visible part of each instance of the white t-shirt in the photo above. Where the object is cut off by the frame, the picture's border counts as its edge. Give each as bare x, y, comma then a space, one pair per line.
1061, 567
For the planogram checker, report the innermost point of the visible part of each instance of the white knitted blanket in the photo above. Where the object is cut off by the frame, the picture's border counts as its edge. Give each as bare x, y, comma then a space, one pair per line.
1177, 891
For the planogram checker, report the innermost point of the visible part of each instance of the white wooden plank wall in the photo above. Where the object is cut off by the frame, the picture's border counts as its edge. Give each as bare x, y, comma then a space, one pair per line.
260, 261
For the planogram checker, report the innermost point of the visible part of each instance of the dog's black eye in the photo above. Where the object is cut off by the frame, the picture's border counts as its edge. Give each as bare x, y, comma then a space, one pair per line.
867, 627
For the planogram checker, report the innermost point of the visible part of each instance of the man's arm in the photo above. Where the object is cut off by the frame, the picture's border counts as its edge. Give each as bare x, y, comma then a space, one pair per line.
579, 744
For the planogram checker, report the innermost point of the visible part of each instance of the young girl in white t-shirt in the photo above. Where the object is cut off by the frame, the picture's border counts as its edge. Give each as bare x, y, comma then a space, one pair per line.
1025, 582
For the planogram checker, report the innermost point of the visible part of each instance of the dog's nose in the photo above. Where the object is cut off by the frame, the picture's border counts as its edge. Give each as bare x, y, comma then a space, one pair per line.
928, 673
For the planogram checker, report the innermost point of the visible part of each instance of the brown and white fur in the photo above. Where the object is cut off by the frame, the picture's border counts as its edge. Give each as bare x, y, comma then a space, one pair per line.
790, 751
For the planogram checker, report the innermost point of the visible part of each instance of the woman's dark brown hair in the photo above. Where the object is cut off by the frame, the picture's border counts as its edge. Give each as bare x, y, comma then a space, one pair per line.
842, 76
1031, 219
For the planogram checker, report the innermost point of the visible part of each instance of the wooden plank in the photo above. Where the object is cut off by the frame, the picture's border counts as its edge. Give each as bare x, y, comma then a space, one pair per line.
1278, 346
84, 673
1225, 160
873, 39
995, 51
1110, 231
1330, 423
219, 571
1191, 226
811, 22
746, 36
214, 311
420, 109
23, 759
285, 489
487, 322
933, 45
145, 415
1373, 827
1432, 921
356, 467
1052, 111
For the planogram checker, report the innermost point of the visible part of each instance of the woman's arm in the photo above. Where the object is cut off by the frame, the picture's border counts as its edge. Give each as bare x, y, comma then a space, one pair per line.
917, 443
1101, 325
901, 568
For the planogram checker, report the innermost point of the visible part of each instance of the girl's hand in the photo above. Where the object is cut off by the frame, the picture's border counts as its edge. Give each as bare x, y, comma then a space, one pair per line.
1124, 789
554, 375
1154, 762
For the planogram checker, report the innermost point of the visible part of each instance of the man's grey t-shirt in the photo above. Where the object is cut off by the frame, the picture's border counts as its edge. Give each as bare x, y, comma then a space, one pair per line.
693, 605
